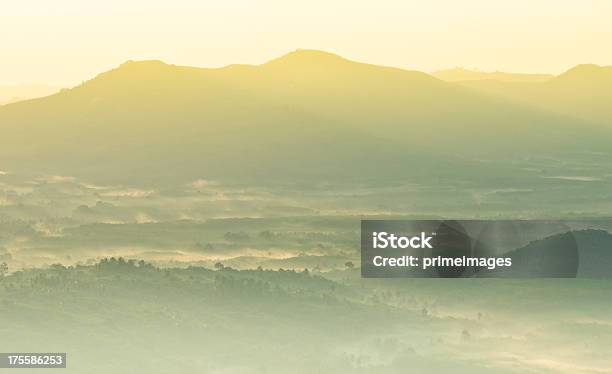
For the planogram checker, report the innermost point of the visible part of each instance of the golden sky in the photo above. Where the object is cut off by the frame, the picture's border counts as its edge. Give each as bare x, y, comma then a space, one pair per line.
63, 42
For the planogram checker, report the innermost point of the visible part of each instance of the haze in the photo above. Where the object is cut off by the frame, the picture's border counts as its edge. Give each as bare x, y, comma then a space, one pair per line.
67, 41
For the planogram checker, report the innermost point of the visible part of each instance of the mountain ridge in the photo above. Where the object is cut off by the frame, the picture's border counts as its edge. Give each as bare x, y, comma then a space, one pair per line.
582, 92
287, 118
460, 74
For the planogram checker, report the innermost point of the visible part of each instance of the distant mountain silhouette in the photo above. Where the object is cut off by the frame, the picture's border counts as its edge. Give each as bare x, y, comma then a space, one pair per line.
461, 74
595, 249
586, 73
308, 115
582, 253
583, 92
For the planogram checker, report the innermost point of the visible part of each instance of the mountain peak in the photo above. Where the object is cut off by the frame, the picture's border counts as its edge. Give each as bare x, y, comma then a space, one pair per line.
307, 56
143, 62
585, 72
132, 71
582, 68
142, 65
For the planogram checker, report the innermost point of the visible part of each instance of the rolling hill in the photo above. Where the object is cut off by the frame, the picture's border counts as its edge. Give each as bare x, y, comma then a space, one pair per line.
308, 115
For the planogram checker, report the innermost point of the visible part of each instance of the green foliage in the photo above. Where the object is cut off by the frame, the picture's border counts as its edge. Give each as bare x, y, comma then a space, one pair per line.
156, 320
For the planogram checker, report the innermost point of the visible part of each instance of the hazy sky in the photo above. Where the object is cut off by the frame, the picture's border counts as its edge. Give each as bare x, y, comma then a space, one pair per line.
63, 42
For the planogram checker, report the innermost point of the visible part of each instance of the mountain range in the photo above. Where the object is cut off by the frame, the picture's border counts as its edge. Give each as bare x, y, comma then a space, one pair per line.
583, 92
308, 115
